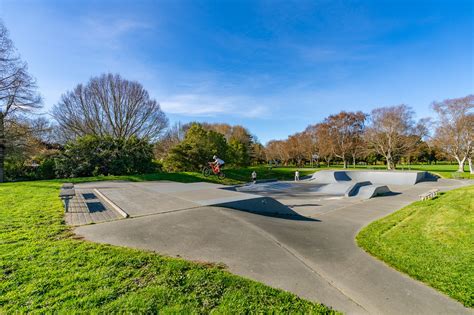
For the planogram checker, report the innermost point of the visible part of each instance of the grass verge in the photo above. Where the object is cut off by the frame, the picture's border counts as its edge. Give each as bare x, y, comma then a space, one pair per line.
432, 241
45, 269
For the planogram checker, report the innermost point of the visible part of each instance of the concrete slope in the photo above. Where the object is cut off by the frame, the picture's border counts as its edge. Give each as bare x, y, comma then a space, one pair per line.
159, 197
219, 235
388, 178
315, 259
375, 177
328, 177
263, 205
330, 249
370, 191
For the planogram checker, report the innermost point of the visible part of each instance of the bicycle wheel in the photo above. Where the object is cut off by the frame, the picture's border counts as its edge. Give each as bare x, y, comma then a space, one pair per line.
206, 171
221, 175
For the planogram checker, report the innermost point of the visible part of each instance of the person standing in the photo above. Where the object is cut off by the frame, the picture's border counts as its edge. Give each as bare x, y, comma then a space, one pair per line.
254, 177
297, 175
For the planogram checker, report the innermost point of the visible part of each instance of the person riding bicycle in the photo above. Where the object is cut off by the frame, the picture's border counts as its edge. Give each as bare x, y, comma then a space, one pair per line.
218, 163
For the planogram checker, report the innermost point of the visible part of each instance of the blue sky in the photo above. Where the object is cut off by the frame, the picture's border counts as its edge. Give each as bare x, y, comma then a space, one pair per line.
272, 66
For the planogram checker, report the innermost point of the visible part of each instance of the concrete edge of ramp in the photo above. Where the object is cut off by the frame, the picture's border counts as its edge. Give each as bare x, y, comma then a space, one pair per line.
113, 205
259, 204
354, 189
330, 177
369, 191
374, 176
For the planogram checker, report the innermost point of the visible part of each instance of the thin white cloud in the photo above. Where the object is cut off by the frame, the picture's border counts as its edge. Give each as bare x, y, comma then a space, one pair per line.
193, 105
109, 30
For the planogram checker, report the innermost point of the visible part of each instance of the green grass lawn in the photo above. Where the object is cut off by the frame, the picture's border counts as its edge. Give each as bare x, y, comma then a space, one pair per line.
432, 241
44, 268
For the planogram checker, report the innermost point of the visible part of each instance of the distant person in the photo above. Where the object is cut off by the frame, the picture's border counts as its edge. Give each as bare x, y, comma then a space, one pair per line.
254, 177
218, 163
297, 175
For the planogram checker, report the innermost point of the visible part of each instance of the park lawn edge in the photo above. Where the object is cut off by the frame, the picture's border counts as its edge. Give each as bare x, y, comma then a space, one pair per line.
373, 240
46, 268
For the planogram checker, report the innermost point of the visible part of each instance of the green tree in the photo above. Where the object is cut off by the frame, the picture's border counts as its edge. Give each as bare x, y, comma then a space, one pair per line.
197, 148
238, 153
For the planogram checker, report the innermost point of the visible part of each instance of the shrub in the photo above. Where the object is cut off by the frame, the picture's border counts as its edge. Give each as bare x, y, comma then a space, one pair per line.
93, 155
197, 148
47, 168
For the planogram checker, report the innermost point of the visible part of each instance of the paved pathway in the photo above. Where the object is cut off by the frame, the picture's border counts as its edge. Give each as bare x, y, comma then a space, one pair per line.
88, 207
316, 259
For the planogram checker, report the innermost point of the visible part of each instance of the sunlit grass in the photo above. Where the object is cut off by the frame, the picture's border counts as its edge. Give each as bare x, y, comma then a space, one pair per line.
432, 241
44, 269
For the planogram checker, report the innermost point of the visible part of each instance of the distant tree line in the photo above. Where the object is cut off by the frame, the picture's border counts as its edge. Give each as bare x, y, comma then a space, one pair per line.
111, 125
388, 133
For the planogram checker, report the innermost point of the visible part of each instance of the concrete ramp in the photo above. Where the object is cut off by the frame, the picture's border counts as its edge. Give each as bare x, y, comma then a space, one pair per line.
329, 177
263, 205
150, 202
388, 177
370, 191
354, 189
365, 184
162, 197
337, 188
361, 190
375, 177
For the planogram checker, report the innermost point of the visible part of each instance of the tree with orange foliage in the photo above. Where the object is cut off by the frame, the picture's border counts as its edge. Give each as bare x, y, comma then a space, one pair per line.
345, 131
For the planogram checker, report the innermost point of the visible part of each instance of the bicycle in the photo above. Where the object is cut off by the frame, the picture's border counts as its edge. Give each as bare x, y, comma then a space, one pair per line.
212, 169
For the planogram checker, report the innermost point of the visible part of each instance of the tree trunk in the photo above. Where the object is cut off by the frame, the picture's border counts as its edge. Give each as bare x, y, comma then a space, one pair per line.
460, 164
471, 170
389, 163
345, 163
2, 146
354, 161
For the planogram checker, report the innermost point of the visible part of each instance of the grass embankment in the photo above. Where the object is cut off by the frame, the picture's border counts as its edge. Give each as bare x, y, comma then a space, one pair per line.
432, 241
45, 269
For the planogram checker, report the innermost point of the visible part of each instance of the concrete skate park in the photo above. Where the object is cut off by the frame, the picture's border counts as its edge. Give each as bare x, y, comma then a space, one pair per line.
296, 236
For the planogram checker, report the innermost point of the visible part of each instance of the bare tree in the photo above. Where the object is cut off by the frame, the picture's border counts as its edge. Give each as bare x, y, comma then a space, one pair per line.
312, 142
17, 88
110, 105
322, 144
455, 131
389, 132
174, 135
275, 151
345, 130
295, 148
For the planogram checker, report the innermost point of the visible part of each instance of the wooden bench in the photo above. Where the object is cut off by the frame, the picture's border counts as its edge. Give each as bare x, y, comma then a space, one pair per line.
66, 194
430, 194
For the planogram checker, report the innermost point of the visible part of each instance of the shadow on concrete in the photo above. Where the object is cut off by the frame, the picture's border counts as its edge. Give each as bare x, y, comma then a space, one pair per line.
304, 205
95, 207
391, 193
291, 217
89, 196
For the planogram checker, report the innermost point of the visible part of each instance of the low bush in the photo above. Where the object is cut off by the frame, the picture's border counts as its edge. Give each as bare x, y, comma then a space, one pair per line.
93, 156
